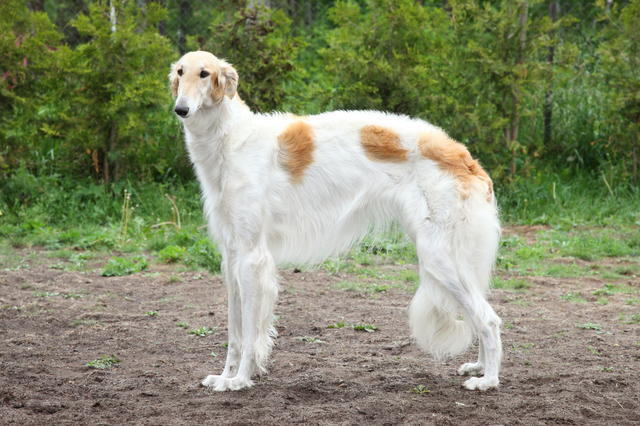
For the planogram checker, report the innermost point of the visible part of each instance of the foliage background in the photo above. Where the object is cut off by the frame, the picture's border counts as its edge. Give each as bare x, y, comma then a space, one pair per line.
86, 111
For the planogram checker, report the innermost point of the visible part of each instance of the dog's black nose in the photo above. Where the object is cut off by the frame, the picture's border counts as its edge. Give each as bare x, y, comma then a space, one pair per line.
182, 111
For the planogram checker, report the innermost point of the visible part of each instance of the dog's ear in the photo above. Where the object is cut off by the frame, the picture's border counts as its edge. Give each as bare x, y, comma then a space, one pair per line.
173, 78
227, 82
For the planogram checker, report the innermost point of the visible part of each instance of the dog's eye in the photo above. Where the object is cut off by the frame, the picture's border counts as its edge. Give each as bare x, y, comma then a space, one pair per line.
180, 72
204, 74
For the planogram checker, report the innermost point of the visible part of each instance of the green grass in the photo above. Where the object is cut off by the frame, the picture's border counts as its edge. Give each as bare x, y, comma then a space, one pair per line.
513, 284
118, 266
573, 297
370, 328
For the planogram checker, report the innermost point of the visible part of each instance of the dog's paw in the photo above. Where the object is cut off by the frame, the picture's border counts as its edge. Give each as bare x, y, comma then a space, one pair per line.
481, 383
471, 369
211, 380
221, 384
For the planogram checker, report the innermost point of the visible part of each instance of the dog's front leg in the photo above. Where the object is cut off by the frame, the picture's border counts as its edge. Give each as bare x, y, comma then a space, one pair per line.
234, 317
258, 292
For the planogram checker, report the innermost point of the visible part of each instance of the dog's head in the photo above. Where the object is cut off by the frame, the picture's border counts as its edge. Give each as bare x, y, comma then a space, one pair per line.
200, 79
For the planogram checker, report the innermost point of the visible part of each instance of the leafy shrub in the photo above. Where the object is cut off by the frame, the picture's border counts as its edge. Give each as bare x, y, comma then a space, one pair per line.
258, 43
205, 255
172, 254
119, 266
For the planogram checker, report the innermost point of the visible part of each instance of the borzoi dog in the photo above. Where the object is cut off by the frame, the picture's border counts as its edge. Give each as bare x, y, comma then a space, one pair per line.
278, 187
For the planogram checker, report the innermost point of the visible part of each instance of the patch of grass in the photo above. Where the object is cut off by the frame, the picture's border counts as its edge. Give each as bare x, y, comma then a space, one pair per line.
72, 296
611, 289
573, 297
633, 319
309, 339
510, 284
119, 266
590, 326
182, 325
632, 301
360, 287
85, 322
203, 331
602, 301
61, 253
370, 328
173, 279
104, 362
45, 294
508, 325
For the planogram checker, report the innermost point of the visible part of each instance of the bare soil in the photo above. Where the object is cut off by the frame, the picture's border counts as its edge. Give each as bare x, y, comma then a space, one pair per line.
554, 372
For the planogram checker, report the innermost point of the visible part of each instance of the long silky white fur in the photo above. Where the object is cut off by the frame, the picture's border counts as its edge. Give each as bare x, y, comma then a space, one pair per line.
260, 216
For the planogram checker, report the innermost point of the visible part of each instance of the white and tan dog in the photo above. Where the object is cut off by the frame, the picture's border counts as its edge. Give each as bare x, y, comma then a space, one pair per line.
277, 187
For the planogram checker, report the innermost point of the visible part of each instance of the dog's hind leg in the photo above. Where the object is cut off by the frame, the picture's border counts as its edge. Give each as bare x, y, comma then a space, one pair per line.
448, 292
234, 317
258, 291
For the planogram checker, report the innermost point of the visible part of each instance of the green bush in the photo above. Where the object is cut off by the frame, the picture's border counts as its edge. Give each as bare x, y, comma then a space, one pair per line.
172, 254
119, 266
257, 40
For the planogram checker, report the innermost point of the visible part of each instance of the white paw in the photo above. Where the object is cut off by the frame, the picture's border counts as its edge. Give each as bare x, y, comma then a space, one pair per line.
221, 384
481, 383
211, 380
471, 369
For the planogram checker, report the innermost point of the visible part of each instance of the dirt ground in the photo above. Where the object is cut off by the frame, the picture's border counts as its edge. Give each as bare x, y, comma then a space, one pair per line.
554, 372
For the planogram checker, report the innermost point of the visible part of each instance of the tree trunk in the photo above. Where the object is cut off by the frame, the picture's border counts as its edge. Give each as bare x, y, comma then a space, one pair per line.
548, 98
515, 117
185, 20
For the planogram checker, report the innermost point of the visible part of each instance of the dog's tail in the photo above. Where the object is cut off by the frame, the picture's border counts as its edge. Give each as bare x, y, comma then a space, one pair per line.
472, 233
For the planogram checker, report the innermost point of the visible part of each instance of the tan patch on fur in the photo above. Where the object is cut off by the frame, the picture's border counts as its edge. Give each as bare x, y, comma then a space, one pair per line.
296, 148
455, 159
382, 144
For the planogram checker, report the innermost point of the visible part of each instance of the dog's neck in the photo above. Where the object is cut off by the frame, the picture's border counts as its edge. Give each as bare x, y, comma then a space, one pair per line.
211, 123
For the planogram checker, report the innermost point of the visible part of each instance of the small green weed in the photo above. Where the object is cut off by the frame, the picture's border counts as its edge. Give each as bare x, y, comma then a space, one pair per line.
633, 319
72, 296
182, 324
590, 326
508, 325
369, 328
104, 362
594, 351
119, 266
420, 390
45, 294
632, 301
607, 369
602, 301
152, 313
358, 326
203, 331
